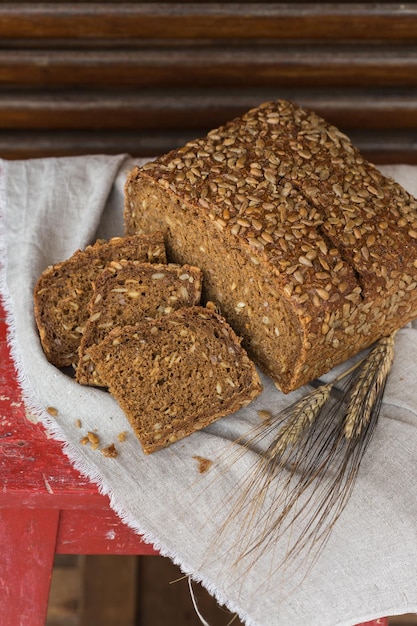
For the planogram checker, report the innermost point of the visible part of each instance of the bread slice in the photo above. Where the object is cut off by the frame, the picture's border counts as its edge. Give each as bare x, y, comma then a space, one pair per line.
63, 291
309, 251
177, 374
129, 292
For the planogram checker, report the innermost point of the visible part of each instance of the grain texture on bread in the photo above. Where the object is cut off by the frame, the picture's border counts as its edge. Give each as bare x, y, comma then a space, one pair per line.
176, 374
129, 292
310, 252
63, 291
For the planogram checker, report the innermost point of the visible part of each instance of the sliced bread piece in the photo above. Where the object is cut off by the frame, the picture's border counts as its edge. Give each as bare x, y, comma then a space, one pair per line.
129, 293
177, 374
63, 291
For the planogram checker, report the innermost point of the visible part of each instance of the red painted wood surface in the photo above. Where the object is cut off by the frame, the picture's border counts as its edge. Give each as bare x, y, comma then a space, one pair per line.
27, 554
97, 531
34, 471
46, 508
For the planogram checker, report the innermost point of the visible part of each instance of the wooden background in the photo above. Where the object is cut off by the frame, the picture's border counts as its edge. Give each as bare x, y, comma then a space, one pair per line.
143, 77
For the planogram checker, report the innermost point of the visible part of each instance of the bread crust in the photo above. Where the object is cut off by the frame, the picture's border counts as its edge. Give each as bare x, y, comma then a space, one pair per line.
310, 252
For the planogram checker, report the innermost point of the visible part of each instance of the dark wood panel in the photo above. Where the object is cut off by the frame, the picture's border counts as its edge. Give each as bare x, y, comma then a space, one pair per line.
215, 20
159, 578
143, 77
213, 66
17, 144
192, 111
108, 590
162, 599
380, 147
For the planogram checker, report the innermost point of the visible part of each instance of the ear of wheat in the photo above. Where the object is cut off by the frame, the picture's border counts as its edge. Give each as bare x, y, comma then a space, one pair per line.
305, 474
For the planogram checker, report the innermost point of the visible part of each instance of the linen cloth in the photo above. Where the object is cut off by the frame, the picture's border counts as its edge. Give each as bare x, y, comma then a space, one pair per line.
368, 567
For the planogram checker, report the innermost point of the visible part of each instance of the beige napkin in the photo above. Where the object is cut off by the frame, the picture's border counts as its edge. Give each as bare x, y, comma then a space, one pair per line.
368, 568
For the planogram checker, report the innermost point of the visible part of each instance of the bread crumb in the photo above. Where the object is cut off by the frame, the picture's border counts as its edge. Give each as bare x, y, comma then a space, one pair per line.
78, 423
213, 306
122, 436
109, 451
52, 411
92, 439
203, 464
264, 414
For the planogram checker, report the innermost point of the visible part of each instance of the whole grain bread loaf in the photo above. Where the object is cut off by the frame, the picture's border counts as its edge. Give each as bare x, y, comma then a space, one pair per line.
308, 249
176, 374
63, 291
128, 292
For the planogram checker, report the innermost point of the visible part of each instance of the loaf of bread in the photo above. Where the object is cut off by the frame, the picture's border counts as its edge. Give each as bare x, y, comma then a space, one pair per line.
128, 292
176, 374
310, 252
63, 291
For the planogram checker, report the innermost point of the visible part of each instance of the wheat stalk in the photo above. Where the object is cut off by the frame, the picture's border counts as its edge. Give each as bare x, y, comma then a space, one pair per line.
368, 386
303, 414
310, 468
